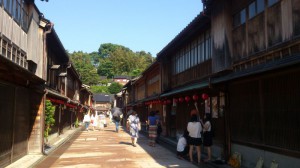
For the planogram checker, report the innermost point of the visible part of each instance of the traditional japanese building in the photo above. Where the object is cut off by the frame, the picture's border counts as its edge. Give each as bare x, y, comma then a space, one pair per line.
238, 61
22, 67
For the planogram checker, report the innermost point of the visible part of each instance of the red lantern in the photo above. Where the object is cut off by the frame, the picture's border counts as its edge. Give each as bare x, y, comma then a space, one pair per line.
175, 100
204, 96
195, 97
180, 99
187, 98
169, 101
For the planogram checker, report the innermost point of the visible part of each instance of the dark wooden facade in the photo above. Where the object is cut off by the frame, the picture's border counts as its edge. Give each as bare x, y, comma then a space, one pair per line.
21, 81
245, 55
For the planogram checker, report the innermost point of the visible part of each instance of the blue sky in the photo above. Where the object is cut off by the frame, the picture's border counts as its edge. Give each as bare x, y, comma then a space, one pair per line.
148, 25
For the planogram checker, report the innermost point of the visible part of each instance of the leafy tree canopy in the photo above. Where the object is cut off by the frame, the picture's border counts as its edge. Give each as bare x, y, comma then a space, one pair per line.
114, 88
83, 65
99, 89
110, 60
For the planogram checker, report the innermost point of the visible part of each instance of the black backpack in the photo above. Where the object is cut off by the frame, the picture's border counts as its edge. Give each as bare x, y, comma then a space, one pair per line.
116, 118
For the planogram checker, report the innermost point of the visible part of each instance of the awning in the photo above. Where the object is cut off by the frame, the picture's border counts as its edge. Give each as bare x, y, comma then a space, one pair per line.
56, 94
200, 85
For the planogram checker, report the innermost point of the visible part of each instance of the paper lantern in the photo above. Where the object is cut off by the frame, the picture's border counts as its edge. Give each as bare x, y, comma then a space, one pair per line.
180, 99
175, 100
187, 98
204, 96
169, 101
195, 97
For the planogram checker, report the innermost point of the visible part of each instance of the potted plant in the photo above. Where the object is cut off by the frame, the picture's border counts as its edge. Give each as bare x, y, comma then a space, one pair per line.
49, 118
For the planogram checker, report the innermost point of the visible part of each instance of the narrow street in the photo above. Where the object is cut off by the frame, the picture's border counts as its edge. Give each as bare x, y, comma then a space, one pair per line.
109, 149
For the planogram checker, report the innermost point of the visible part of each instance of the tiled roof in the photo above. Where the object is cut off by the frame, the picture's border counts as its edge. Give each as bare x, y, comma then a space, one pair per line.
102, 97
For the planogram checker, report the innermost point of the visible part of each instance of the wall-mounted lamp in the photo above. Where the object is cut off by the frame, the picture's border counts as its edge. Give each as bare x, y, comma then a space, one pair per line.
63, 74
55, 67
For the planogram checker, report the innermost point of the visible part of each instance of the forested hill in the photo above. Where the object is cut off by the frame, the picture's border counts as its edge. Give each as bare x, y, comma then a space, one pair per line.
110, 60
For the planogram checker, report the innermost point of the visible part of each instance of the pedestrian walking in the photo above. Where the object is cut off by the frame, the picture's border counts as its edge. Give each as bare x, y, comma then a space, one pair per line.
152, 121
133, 126
117, 113
102, 121
94, 121
86, 121
207, 136
194, 128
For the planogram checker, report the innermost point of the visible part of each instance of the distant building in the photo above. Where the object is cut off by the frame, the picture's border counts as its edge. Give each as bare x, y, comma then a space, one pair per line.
121, 79
103, 102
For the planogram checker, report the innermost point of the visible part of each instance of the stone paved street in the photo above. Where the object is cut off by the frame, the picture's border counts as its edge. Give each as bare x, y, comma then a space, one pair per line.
109, 149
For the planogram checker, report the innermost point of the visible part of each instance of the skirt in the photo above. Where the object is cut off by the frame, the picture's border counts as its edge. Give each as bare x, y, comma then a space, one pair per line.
194, 141
152, 133
207, 139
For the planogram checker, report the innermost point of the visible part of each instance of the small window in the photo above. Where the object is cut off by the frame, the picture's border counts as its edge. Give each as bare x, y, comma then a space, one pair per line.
272, 2
14, 52
243, 16
239, 18
7, 5
252, 10
9, 51
4, 46
260, 5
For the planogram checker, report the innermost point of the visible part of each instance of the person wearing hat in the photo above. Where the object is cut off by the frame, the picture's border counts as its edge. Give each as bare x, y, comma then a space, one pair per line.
133, 126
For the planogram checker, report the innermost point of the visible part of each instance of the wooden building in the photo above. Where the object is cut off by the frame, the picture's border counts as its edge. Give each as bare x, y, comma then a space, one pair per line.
242, 56
33, 67
22, 64
102, 103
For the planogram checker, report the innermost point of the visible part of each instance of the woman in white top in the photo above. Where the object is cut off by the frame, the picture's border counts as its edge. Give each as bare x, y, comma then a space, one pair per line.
182, 145
94, 121
133, 125
194, 128
87, 120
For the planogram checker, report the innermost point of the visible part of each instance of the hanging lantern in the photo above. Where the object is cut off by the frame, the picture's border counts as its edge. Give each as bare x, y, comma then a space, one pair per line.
195, 97
180, 99
187, 98
204, 96
175, 100
169, 101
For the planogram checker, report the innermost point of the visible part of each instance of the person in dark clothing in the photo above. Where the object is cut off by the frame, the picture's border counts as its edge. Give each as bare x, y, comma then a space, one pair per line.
159, 126
117, 113
152, 121
207, 135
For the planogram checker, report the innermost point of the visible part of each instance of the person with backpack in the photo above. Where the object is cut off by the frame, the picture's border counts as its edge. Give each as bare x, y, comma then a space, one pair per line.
117, 113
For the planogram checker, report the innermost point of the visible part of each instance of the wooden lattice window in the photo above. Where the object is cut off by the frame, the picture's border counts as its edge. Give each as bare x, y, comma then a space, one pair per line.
14, 55
9, 50
4, 46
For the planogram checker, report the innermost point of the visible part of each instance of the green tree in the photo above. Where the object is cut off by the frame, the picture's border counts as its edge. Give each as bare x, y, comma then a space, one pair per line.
115, 88
83, 65
49, 118
99, 89
105, 68
107, 48
95, 58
